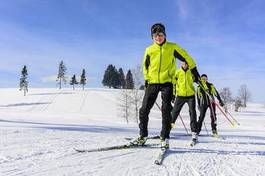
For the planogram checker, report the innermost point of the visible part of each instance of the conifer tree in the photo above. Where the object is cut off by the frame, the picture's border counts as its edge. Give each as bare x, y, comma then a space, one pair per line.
73, 82
107, 76
83, 78
129, 80
61, 74
23, 80
121, 78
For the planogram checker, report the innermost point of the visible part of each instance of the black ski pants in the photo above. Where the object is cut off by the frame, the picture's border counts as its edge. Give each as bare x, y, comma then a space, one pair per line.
203, 110
149, 99
179, 103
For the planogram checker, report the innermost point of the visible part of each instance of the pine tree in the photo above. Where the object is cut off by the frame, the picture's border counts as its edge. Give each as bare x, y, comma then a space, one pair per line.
23, 80
121, 78
129, 80
115, 79
111, 77
73, 82
83, 78
61, 74
107, 76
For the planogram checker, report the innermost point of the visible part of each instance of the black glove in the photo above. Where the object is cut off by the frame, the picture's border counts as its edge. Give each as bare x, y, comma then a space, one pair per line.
173, 99
146, 84
221, 103
196, 75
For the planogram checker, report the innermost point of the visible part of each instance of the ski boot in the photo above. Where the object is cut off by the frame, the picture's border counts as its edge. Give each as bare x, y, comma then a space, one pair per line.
139, 141
215, 134
164, 143
194, 138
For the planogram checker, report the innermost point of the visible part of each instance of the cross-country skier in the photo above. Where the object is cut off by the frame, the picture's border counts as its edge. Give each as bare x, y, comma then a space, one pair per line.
204, 101
159, 68
185, 92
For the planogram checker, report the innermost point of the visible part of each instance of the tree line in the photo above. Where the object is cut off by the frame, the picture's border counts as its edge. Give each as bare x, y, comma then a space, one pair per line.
61, 78
115, 78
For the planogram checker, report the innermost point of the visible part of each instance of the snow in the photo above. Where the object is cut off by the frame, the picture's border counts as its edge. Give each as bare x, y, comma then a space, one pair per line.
38, 133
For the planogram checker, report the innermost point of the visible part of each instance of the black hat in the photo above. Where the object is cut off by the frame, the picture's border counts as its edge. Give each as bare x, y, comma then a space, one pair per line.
204, 75
158, 28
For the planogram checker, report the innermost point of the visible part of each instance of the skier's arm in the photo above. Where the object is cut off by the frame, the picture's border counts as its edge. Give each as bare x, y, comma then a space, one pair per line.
146, 63
183, 56
218, 97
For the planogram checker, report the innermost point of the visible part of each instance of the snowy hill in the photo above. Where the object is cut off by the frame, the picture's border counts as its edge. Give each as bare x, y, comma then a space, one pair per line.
38, 133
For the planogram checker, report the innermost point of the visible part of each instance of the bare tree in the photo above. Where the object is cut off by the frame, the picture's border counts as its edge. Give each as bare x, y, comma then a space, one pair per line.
226, 96
124, 105
244, 94
238, 103
130, 99
137, 94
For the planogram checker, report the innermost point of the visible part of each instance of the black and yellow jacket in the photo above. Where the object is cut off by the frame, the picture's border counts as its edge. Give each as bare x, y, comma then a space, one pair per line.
159, 63
184, 83
203, 98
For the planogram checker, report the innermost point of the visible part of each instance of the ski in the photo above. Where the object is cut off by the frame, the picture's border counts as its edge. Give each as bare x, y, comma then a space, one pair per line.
161, 156
116, 147
151, 137
193, 142
217, 136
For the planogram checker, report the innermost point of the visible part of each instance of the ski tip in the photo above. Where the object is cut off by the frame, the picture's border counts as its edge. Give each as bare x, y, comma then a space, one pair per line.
157, 162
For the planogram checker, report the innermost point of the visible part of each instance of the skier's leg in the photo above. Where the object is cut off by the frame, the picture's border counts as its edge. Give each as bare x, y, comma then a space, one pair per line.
193, 116
166, 94
213, 119
149, 99
203, 110
177, 108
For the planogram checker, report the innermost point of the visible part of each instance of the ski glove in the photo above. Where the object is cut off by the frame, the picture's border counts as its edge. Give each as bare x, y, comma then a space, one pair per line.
221, 104
173, 99
146, 84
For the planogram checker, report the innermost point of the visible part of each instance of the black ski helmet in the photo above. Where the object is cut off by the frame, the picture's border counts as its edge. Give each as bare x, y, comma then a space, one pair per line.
204, 75
158, 28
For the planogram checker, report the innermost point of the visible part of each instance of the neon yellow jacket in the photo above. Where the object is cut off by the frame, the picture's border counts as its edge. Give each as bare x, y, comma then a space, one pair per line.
184, 85
159, 63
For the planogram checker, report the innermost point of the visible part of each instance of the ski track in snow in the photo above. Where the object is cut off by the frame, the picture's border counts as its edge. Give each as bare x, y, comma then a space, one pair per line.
36, 143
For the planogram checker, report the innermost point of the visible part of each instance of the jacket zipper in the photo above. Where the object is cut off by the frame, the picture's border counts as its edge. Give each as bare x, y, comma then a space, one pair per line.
160, 64
186, 82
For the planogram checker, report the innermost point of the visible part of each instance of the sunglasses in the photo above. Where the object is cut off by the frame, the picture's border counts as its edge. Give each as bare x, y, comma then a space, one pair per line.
158, 34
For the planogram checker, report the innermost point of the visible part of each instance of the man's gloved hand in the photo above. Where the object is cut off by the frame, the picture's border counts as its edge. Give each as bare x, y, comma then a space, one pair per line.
146, 84
221, 104
173, 99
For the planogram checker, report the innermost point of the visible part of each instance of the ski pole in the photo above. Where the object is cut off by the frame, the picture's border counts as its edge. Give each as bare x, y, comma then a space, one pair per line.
224, 114
211, 106
179, 116
183, 124
206, 128
233, 118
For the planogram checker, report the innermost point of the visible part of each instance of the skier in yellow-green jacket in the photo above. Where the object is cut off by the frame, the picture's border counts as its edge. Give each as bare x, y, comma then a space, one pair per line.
159, 69
185, 93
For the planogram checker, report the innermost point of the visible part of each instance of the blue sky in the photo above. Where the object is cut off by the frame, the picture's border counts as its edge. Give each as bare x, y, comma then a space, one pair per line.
225, 38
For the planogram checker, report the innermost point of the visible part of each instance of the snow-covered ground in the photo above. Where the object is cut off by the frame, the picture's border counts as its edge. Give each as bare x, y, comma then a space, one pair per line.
38, 133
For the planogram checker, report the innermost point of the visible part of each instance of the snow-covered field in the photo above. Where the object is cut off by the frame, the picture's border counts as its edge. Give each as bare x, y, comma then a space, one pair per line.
38, 133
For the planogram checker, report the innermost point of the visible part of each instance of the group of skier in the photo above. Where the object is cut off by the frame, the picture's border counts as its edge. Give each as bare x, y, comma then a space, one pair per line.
161, 75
